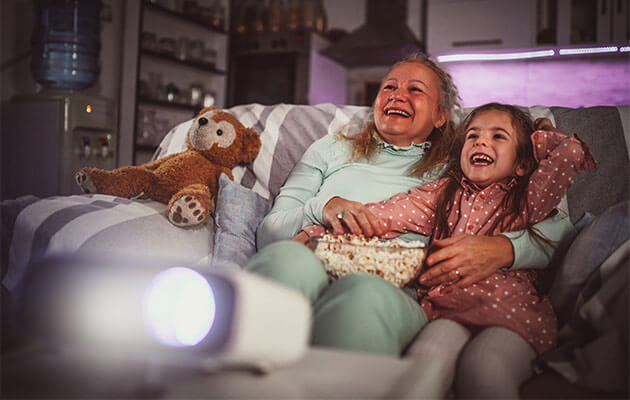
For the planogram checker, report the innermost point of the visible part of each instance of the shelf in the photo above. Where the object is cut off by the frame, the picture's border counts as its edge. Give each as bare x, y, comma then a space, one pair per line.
191, 64
145, 148
170, 104
183, 18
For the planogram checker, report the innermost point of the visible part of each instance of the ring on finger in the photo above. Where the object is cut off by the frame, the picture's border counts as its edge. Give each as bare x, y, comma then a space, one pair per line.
341, 214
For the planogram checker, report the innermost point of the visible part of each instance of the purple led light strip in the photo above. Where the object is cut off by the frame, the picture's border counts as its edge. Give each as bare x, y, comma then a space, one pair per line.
520, 55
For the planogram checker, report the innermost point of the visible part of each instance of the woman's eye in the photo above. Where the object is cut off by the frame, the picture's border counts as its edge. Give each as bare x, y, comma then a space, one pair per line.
415, 89
389, 87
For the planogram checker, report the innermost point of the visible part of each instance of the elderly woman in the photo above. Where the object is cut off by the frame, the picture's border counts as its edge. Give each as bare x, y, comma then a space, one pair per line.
405, 146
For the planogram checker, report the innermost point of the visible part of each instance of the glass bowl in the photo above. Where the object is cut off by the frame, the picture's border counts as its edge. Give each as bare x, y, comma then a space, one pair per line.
396, 261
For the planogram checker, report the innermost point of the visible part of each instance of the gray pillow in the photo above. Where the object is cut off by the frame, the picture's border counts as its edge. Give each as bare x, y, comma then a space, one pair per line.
238, 212
595, 242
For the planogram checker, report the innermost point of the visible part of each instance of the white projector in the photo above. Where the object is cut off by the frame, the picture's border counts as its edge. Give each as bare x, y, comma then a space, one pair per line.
176, 314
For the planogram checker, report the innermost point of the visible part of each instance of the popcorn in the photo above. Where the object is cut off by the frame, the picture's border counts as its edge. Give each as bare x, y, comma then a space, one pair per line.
396, 261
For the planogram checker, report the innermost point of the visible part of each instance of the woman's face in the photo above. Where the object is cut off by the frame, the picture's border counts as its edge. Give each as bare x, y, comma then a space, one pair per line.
406, 107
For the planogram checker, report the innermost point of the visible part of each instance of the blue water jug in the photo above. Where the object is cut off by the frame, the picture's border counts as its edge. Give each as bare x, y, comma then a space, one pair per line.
66, 43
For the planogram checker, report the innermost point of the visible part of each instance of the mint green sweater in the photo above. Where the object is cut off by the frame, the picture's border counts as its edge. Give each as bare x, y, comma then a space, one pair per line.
325, 171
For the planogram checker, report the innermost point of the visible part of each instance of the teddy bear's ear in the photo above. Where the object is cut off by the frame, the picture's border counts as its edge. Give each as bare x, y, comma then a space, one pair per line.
251, 144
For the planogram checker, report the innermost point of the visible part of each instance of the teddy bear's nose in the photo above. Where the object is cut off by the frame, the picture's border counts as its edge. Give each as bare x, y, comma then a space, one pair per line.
203, 121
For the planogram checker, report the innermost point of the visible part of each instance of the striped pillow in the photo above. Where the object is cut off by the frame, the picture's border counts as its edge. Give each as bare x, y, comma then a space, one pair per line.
285, 131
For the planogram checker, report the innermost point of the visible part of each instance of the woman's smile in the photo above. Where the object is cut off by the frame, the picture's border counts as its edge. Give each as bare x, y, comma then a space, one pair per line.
406, 108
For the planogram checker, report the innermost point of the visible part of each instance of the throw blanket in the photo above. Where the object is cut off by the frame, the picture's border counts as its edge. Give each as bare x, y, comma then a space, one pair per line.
590, 295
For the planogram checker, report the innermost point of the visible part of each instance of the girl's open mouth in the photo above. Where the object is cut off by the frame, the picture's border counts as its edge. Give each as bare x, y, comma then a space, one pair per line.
480, 159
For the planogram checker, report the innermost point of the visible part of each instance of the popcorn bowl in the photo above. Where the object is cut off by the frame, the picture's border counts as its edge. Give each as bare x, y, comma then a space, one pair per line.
396, 261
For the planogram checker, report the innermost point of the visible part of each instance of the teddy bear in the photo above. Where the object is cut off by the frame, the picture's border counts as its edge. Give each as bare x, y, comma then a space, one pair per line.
186, 181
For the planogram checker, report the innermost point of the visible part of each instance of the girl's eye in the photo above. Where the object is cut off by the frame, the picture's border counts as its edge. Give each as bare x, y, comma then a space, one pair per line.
471, 136
499, 136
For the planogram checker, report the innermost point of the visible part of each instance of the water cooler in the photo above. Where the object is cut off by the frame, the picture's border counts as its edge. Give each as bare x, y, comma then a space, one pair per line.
51, 135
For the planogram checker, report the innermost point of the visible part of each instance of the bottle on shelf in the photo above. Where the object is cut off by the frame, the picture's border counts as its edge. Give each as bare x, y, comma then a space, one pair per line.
217, 12
275, 16
320, 20
294, 15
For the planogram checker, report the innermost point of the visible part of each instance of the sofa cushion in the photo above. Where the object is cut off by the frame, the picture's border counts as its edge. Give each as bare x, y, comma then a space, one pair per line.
99, 226
602, 129
238, 213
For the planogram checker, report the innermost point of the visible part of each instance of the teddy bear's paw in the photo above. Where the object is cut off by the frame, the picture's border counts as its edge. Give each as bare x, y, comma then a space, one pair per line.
187, 211
85, 183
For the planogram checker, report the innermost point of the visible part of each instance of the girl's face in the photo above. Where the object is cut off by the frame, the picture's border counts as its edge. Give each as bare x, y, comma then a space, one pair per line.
489, 152
406, 106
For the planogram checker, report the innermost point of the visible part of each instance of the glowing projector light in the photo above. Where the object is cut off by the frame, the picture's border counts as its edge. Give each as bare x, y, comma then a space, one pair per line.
179, 307
147, 309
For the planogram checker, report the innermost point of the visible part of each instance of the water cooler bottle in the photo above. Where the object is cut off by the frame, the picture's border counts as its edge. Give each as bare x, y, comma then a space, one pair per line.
51, 135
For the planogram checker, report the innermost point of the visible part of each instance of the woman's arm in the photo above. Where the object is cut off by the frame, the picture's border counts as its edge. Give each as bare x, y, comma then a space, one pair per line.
535, 254
477, 257
286, 218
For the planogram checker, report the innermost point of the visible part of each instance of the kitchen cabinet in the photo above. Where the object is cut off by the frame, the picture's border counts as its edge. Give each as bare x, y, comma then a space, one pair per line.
592, 22
473, 25
175, 65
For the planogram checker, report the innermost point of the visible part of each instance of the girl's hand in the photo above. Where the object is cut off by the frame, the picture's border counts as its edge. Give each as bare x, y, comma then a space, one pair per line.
464, 260
351, 216
544, 124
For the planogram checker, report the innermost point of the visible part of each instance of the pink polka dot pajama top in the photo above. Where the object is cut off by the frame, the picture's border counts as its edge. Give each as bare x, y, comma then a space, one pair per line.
506, 298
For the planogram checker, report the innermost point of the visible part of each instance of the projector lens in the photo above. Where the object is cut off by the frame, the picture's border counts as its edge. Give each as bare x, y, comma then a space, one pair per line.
179, 307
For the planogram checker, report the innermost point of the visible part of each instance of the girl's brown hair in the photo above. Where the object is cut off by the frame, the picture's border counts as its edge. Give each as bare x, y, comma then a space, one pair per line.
441, 138
515, 202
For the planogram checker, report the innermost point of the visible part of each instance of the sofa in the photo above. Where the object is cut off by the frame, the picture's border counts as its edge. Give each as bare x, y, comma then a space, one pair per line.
95, 226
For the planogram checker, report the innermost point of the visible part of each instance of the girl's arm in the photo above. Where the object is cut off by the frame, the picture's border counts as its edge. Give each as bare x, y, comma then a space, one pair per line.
409, 212
560, 158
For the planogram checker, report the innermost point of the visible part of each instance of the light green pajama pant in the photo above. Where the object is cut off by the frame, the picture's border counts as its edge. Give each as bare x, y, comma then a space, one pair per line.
359, 312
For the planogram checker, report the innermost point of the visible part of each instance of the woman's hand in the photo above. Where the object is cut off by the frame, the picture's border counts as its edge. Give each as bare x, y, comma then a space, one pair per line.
351, 216
301, 237
464, 260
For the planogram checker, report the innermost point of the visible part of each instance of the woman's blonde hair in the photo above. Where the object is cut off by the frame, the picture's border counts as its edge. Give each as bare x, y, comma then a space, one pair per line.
441, 138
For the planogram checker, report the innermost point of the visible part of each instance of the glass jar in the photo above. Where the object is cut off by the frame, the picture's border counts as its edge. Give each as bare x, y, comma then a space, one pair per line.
148, 41
181, 50
209, 57
320, 20
217, 12
275, 16
167, 46
209, 98
146, 132
195, 50
294, 15
196, 94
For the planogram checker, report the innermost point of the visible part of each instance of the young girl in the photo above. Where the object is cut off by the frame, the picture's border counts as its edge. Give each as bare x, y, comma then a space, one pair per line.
502, 179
